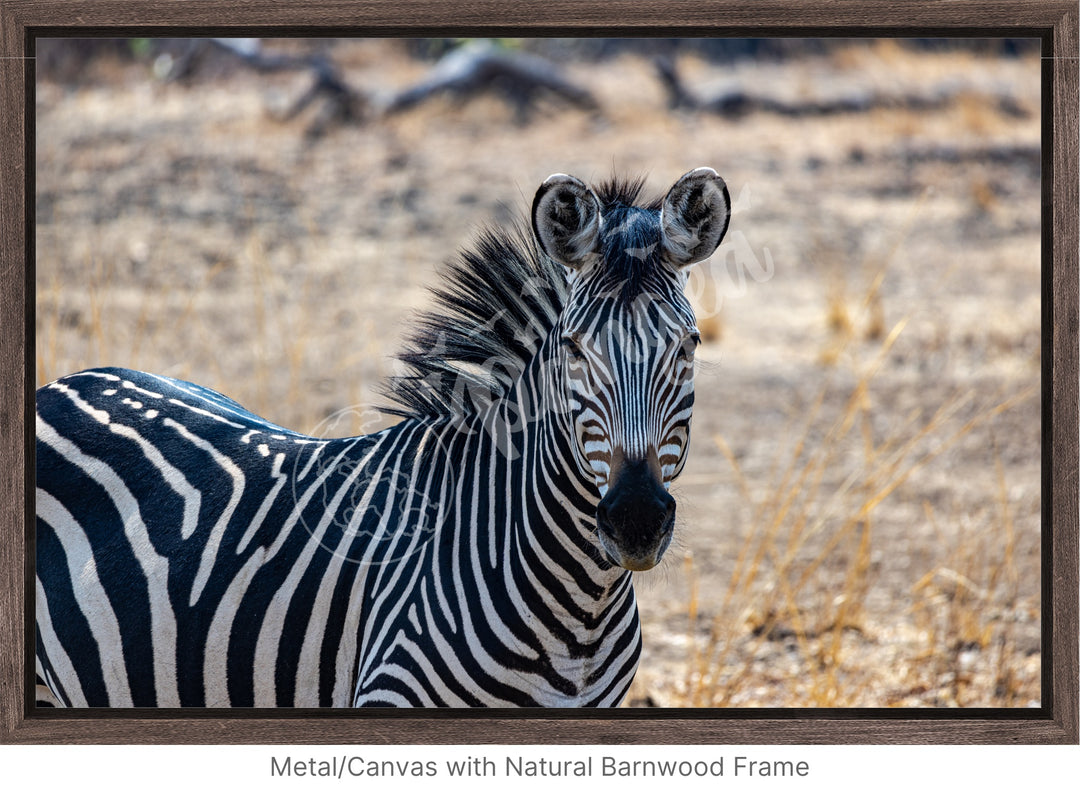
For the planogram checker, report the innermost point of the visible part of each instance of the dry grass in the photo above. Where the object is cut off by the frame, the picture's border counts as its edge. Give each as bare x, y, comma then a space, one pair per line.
793, 628
782, 590
291, 335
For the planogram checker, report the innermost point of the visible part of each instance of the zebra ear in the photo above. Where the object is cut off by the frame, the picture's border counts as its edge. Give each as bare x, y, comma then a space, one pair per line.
694, 217
566, 221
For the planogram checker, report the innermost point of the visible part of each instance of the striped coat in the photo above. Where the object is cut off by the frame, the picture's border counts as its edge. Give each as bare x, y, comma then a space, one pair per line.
478, 553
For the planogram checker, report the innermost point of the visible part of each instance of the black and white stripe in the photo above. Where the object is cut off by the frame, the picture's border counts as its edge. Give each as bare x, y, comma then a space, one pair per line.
191, 553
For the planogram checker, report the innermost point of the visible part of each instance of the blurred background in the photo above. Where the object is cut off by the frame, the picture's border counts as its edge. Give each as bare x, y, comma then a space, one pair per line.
860, 515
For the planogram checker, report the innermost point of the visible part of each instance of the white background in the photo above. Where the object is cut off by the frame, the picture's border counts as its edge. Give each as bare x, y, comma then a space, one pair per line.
835, 771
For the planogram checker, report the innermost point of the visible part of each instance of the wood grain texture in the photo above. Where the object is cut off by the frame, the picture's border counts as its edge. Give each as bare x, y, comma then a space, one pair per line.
420, 17
15, 313
1054, 20
1061, 476
549, 728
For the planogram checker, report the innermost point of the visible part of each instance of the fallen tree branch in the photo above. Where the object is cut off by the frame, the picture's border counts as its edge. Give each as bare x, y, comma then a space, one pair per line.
736, 102
477, 67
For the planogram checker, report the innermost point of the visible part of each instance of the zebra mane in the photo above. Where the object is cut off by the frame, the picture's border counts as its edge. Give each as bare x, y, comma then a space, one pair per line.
625, 191
493, 309
495, 305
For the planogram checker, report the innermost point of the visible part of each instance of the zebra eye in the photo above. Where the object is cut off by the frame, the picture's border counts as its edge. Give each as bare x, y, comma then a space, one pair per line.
689, 344
572, 344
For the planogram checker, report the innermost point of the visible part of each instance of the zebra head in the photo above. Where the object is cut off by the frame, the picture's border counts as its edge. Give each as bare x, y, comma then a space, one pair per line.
626, 340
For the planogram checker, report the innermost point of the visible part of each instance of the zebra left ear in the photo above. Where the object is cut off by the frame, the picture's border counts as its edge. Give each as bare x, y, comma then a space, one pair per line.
566, 220
694, 217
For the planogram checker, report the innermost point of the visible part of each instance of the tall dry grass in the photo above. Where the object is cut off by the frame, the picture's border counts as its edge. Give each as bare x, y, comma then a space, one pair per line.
794, 628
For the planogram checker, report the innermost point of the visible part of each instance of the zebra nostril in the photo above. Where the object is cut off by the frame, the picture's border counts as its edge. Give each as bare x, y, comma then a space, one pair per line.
668, 519
602, 517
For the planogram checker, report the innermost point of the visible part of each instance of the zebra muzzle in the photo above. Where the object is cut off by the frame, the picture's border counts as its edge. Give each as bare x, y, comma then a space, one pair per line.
636, 517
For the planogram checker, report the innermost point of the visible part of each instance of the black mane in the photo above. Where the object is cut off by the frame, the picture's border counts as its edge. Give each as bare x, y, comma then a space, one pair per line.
494, 307
618, 191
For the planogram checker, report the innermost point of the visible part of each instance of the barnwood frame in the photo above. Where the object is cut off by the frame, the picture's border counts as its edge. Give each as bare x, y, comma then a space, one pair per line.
1054, 22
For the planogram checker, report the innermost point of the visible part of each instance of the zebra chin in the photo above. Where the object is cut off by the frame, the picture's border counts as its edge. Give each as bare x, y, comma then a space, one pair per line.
636, 518
635, 562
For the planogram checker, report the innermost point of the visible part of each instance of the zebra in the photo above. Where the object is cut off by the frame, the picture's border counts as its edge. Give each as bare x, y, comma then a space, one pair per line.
477, 553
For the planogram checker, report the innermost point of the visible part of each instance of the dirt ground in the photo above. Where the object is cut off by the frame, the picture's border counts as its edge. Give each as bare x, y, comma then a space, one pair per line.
860, 515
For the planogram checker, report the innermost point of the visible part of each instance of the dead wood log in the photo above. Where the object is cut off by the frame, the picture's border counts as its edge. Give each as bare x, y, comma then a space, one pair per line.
736, 102
520, 78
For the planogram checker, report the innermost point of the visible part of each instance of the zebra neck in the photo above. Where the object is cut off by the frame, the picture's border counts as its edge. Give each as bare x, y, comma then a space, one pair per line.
514, 570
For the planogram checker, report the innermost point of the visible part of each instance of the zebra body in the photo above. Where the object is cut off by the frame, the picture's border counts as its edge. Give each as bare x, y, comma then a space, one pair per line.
477, 553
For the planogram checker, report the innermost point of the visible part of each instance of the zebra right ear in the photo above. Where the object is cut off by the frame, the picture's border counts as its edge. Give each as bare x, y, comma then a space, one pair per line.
694, 217
566, 221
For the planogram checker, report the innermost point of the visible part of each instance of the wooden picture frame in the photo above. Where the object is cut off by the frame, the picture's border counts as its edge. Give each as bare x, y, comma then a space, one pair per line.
1054, 22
